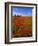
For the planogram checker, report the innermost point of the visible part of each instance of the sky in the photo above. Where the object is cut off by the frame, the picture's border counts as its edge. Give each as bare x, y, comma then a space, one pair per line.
23, 11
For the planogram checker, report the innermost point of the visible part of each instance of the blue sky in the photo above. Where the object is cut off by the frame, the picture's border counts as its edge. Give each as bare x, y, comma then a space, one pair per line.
23, 11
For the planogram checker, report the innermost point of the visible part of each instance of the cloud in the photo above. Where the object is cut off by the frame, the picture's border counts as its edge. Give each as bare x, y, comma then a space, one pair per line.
15, 13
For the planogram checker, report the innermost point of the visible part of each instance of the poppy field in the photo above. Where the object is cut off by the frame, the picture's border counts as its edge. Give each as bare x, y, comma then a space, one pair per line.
21, 26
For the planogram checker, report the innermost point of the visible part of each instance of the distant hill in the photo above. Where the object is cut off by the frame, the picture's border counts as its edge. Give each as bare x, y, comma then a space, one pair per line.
17, 15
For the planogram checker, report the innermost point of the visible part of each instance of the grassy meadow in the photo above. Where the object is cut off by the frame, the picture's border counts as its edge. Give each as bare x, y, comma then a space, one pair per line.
21, 26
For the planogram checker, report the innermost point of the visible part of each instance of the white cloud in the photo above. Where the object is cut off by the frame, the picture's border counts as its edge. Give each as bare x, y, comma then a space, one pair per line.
19, 14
